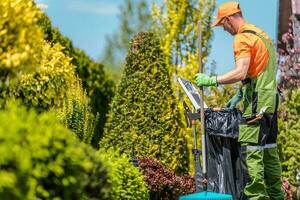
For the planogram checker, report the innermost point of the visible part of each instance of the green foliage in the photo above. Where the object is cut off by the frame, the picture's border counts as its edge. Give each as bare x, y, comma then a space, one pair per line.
49, 85
20, 38
126, 179
176, 21
100, 89
219, 97
76, 113
52, 82
144, 112
40, 159
289, 137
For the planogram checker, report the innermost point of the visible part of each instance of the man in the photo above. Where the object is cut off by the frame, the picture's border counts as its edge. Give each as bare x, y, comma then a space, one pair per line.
255, 66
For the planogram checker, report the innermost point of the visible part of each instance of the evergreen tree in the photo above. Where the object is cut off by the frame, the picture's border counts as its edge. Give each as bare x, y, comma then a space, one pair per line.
144, 114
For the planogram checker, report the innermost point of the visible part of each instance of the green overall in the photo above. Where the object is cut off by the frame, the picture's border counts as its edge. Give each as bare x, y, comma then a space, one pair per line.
258, 140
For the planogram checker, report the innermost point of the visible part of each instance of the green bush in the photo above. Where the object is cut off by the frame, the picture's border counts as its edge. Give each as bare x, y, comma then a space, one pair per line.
100, 89
144, 113
126, 179
289, 137
49, 85
76, 113
40, 159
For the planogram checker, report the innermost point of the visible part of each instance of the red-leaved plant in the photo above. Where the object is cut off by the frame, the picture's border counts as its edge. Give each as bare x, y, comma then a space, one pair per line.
164, 184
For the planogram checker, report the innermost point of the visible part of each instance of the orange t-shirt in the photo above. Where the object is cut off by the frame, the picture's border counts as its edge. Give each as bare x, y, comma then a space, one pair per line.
250, 45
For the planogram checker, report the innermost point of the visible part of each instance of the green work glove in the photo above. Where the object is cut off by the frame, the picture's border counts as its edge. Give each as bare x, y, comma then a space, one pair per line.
204, 80
235, 99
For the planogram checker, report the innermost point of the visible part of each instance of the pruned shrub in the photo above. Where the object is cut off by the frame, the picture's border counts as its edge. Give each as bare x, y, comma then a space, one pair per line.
164, 183
40, 159
144, 113
126, 179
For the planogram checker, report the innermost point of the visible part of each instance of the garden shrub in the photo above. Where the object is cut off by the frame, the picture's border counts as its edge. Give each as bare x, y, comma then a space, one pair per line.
20, 38
40, 159
289, 137
76, 113
144, 113
99, 87
49, 85
126, 179
163, 183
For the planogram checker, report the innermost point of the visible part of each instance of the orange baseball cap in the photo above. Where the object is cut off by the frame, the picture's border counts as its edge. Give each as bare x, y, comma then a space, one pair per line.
226, 9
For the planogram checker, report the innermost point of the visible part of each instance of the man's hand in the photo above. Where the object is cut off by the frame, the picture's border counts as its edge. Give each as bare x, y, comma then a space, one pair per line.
235, 99
204, 80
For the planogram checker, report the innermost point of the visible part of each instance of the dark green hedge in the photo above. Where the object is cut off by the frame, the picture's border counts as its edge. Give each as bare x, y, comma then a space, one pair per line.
144, 113
40, 159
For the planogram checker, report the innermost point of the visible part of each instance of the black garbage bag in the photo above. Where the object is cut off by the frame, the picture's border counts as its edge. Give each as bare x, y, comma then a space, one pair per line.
223, 123
224, 158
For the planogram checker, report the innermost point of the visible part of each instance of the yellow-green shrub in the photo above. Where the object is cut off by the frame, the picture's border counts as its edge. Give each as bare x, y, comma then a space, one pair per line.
289, 137
40, 159
126, 179
76, 113
20, 37
49, 85
99, 87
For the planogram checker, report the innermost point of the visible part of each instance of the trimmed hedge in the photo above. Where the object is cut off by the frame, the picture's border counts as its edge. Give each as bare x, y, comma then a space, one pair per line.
144, 112
40, 159
163, 183
126, 179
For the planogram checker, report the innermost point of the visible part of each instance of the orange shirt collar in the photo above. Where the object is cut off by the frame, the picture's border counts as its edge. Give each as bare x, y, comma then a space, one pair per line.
242, 28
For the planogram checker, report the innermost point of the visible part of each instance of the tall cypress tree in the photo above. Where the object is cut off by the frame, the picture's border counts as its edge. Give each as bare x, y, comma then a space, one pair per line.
144, 114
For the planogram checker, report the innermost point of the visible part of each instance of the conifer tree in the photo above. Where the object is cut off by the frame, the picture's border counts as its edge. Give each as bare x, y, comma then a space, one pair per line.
144, 114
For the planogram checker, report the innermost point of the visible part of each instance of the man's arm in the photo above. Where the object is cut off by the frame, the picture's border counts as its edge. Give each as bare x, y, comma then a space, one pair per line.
239, 73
